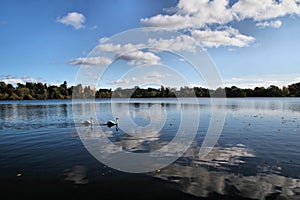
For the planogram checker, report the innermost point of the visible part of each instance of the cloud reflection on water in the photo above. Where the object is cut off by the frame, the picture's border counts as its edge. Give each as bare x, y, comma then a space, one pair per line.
199, 179
213, 174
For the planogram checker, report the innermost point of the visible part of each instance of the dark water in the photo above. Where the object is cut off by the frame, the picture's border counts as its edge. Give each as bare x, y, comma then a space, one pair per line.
256, 157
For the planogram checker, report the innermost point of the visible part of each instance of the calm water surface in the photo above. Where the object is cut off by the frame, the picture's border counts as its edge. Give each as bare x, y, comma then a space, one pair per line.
256, 156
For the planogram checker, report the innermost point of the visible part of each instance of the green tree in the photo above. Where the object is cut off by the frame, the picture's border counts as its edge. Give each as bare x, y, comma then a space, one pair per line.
294, 90
77, 92
235, 92
273, 91
63, 89
88, 92
23, 92
259, 92
285, 91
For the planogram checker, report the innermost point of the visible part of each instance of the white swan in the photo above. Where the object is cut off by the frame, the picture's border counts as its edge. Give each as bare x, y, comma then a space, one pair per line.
111, 123
88, 122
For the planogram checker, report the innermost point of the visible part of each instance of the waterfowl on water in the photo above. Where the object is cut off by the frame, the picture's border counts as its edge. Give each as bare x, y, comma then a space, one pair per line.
88, 122
111, 123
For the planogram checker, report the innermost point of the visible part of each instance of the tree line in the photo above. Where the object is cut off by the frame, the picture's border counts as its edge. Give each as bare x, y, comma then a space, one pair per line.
40, 91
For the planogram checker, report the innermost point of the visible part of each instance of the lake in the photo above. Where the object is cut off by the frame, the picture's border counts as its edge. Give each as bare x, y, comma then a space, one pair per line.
47, 152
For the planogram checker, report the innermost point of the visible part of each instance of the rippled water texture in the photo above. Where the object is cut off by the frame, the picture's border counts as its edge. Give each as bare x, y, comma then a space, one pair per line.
256, 156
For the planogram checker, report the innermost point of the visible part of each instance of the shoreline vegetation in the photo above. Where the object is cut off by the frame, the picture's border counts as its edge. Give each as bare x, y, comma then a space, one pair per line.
43, 91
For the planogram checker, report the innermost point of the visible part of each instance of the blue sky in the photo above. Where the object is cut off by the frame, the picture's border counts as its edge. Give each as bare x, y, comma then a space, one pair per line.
252, 44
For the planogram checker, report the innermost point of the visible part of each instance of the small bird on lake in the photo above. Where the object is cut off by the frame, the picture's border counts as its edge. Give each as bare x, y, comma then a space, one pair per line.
88, 122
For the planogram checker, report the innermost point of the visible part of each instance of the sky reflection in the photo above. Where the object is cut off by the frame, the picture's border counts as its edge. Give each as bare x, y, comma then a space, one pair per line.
199, 179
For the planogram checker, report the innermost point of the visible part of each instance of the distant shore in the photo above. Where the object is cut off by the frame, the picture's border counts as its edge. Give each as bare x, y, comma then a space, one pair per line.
42, 91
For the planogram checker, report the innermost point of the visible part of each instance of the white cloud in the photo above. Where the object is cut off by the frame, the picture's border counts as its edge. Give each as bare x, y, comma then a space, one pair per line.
135, 56
273, 24
206, 11
183, 42
90, 61
103, 39
173, 22
130, 52
264, 10
14, 80
198, 13
154, 77
118, 48
194, 15
74, 19
140, 58
228, 36
225, 36
121, 82
262, 80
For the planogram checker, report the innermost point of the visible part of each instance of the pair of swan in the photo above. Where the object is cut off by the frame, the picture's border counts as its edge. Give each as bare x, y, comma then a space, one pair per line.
109, 123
